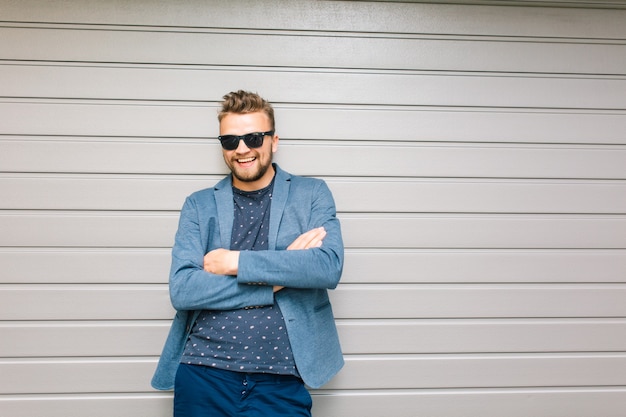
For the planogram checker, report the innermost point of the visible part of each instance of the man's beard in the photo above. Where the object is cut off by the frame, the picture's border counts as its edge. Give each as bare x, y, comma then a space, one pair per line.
247, 176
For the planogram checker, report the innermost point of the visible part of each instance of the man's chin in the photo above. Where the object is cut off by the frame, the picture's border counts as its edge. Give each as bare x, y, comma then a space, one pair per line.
249, 175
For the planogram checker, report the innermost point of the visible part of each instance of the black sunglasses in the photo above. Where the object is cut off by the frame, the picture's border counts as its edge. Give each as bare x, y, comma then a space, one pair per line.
252, 140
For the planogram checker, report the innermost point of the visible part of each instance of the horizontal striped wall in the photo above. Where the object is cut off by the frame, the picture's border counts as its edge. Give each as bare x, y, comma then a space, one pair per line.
476, 152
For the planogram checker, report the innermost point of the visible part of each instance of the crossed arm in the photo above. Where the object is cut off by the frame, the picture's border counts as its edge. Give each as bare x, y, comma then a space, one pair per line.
226, 262
217, 280
193, 288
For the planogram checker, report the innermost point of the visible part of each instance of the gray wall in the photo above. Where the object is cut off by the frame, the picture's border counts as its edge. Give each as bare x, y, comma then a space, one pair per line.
477, 154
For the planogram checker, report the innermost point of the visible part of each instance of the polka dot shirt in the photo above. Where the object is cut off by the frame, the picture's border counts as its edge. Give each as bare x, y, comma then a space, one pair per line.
245, 340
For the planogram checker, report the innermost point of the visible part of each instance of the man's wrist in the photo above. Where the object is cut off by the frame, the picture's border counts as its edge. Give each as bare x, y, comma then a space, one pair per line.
232, 262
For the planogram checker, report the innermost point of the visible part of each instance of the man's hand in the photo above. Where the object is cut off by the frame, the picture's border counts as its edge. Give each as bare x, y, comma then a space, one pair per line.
226, 262
307, 240
222, 262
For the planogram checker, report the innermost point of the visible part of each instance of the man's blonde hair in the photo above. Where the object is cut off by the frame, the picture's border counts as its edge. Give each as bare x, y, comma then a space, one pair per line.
242, 102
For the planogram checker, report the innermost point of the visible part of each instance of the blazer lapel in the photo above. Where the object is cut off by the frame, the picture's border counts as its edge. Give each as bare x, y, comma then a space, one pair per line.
225, 212
279, 200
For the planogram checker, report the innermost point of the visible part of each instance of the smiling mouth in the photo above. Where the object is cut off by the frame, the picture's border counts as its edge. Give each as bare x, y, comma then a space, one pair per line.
246, 160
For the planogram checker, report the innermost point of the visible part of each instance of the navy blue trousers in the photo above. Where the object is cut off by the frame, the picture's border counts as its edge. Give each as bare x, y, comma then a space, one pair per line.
202, 391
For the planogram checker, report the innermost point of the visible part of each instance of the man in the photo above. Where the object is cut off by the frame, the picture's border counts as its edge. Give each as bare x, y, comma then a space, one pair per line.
251, 265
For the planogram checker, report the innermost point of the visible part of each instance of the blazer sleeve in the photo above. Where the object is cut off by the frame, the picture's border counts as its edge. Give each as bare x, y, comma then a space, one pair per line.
191, 287
319, 268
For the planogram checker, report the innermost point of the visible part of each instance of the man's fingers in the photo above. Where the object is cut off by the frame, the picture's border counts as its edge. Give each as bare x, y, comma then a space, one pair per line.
311, 239
316, 240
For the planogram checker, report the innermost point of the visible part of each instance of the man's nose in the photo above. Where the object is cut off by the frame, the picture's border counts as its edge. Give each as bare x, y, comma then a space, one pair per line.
242, 147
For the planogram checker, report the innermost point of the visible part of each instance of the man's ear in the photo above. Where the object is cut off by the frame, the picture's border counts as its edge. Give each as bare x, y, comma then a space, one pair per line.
275, 140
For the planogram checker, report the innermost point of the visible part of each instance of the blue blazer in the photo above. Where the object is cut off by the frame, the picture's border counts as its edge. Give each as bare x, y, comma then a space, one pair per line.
206, 220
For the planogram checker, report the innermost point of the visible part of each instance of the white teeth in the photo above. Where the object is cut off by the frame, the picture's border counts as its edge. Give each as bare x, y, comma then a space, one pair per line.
243, 161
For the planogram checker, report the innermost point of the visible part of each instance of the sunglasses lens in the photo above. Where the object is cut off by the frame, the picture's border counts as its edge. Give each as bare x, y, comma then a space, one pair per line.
253, 140
229, 142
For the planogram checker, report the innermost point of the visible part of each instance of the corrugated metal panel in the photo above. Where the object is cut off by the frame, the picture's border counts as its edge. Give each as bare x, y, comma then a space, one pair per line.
116, 265
343, 16
573, 402
339, 122
389, 231
89, 338
297, 85
477, 154
99, 375
350, 51
395, 195
369, 301
144, 156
